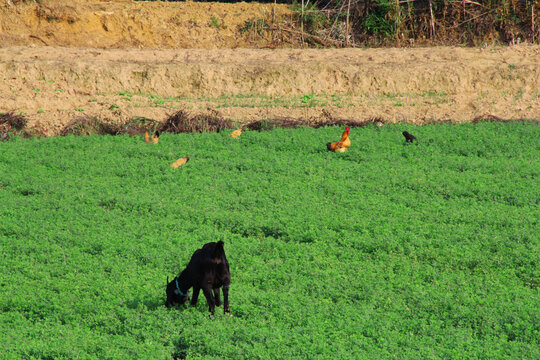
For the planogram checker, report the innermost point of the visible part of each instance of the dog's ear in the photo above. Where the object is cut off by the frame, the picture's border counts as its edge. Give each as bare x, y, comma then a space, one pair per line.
219, 248
218, 252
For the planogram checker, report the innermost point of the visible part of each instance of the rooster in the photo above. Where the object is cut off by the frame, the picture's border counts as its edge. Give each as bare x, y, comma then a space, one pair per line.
180, 162
154, 138
343, 144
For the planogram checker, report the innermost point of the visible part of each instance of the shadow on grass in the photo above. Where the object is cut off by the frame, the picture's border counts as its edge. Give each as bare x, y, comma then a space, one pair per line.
181, 349
151, 303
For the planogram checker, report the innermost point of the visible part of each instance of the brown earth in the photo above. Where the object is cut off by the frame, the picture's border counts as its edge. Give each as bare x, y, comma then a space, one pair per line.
137, 24
52, 85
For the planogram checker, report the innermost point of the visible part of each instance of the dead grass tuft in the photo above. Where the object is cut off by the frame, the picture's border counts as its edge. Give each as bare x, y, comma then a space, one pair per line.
263, 125
88, 125
138, 126
326, 120
183, 122
487, 118
12, 121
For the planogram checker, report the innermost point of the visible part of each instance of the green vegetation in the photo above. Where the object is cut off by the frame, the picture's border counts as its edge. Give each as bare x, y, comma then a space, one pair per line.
299, 101
312, 18
125, 95
214, 22
394, 22
387, 251
255, 27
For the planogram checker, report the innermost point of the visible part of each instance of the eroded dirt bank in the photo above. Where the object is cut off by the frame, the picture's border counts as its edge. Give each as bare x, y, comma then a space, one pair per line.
138, 24
52, 85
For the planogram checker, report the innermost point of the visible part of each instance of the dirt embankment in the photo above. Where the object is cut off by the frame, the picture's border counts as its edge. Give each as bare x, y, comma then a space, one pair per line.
138, 24
52, 85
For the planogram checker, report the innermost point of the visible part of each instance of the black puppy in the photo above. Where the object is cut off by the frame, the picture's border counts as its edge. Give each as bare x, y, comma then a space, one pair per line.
409, 137
208, 270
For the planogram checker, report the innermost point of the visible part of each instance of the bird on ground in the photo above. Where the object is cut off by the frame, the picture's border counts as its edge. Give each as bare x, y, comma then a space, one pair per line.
343, 144
154, 138
180, 162
409, 137
236, 133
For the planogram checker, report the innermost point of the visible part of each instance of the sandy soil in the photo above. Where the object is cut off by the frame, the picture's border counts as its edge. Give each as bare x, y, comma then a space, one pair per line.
137, 24
52, 85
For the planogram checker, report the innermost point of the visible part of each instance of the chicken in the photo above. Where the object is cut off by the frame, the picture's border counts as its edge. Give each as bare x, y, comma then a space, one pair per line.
180, 162
409, 137
154, 138
343, 144
236, 134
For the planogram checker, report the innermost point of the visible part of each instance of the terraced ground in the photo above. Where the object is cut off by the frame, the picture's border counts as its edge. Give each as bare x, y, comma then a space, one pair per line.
116, 60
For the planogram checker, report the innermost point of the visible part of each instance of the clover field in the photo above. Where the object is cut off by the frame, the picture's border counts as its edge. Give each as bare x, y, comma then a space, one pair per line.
387, 251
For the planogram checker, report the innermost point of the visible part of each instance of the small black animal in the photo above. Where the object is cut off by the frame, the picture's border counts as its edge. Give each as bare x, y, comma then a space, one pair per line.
409, 137
208, 270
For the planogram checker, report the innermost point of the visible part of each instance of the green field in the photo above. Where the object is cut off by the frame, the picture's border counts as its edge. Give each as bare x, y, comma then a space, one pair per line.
387, 251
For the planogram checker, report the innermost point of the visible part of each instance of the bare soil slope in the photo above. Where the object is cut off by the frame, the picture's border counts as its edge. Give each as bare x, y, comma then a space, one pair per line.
136, 24
52, 85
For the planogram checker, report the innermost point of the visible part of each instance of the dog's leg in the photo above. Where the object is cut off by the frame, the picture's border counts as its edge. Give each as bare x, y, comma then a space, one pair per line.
195, 296
226, 299
216, 297
207, 291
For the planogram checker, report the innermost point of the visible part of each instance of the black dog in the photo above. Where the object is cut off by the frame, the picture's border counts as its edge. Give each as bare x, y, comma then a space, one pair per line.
208, 270
409, 137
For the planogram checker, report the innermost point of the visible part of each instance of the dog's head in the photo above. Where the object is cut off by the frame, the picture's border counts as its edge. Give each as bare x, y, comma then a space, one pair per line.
175, 296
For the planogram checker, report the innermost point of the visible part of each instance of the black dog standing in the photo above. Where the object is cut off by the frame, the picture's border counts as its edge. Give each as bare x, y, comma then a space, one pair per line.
208, 270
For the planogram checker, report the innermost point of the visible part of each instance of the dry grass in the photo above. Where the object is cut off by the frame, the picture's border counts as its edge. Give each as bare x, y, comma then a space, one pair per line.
88, 125
12, 123
184, 122
138, 126
291, 123
487, 118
